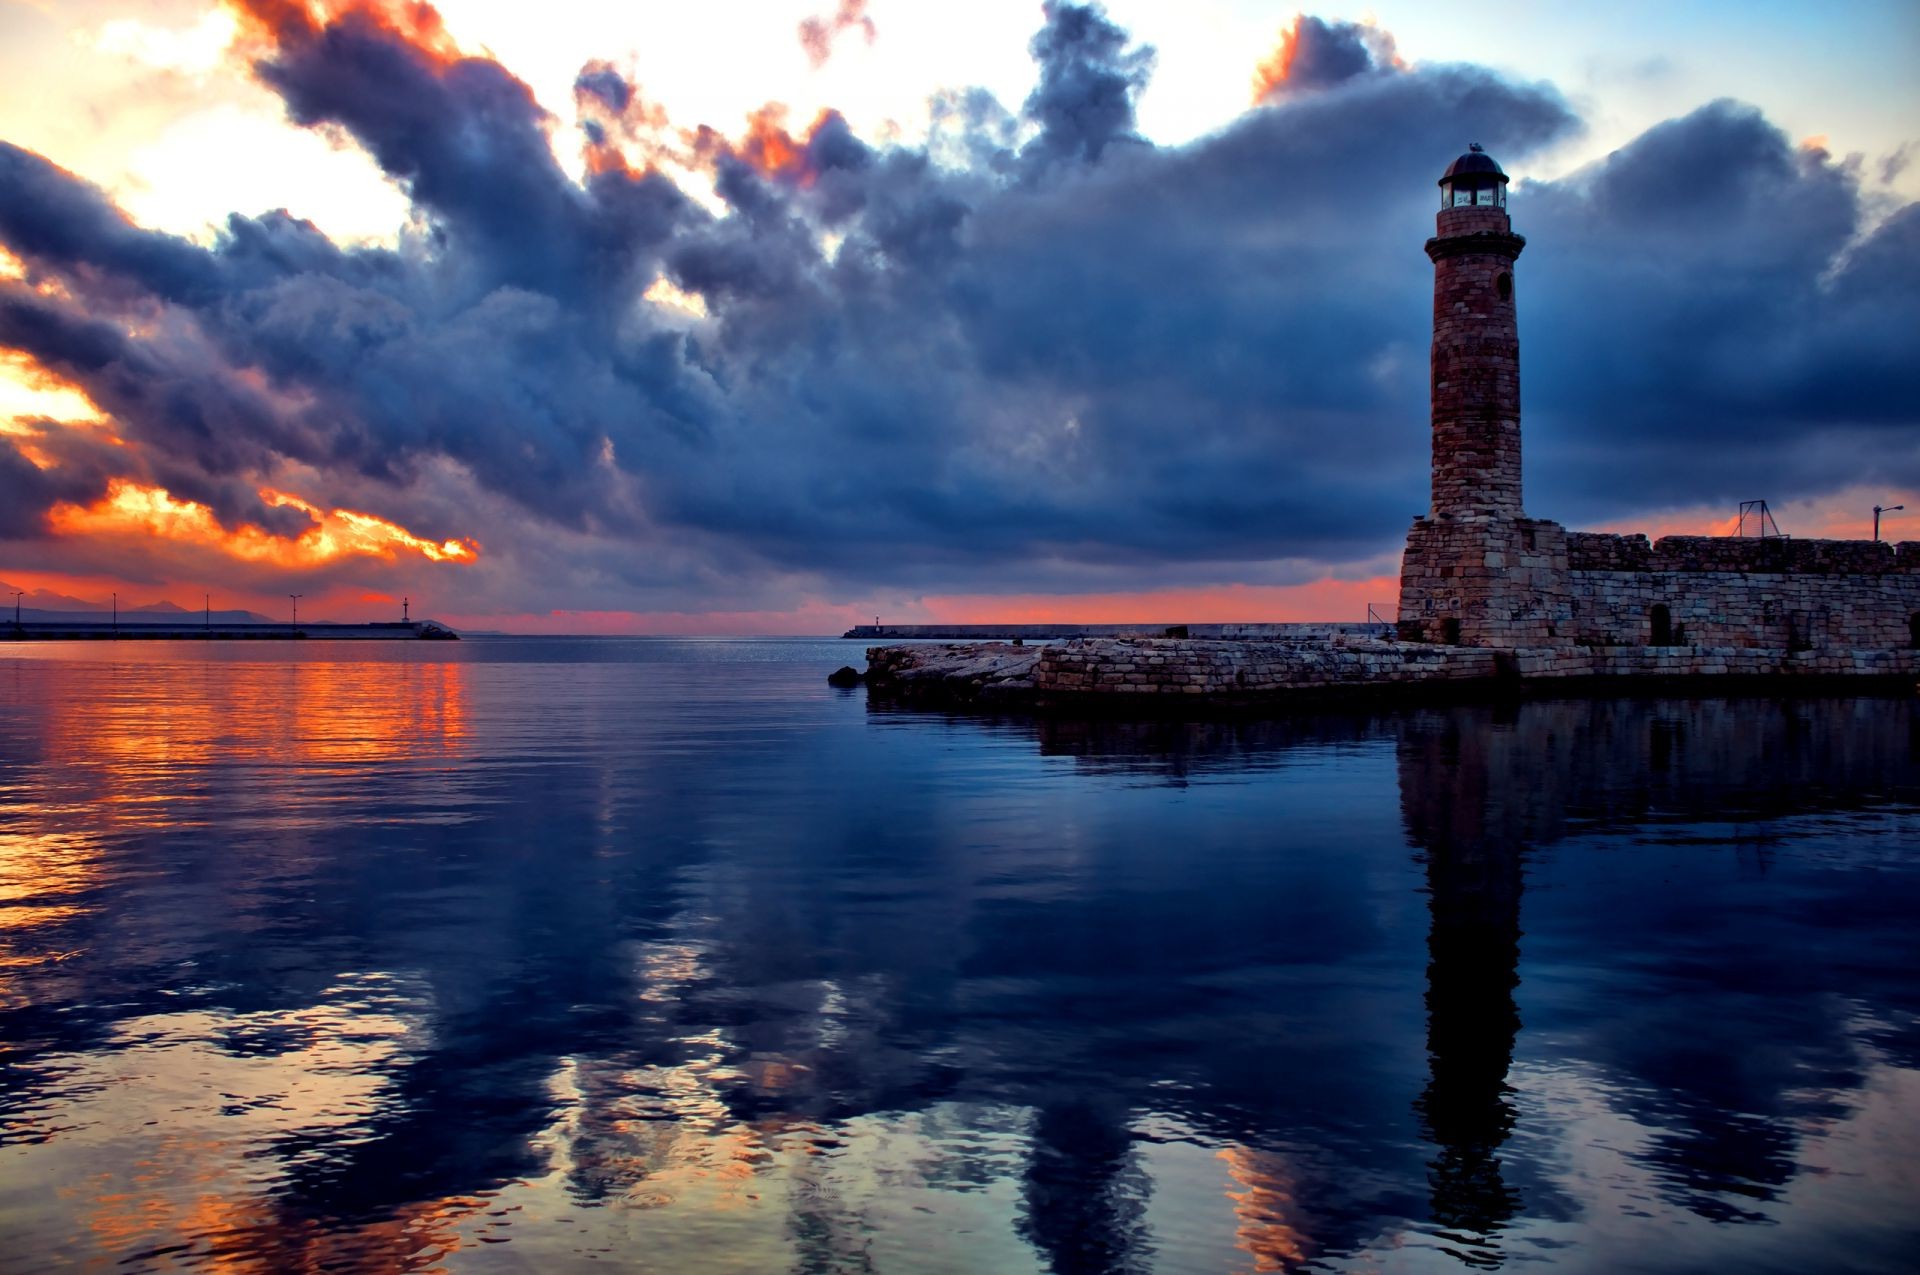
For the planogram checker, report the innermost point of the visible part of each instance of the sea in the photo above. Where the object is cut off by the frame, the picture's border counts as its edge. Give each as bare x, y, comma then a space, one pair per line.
544, 954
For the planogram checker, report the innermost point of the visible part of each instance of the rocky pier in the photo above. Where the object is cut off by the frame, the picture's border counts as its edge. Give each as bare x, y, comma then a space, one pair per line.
1181, 674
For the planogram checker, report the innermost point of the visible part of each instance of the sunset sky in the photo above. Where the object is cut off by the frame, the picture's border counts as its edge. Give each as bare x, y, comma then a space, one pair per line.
775, 317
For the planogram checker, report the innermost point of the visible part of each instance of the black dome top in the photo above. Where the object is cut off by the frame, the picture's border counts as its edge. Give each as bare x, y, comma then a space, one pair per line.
1474, 162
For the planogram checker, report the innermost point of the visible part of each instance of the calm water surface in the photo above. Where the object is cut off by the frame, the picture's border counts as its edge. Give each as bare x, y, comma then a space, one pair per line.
536, 955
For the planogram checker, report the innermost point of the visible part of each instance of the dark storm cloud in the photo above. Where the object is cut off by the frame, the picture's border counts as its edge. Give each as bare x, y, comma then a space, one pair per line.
464, 138
1088, 79
1707, 318
48, 215
27, 491
1039, 353
198, 430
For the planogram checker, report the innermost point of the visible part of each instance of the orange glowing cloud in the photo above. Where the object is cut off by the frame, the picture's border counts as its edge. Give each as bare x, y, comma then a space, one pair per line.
768, 147
130, 509
630, 136
345, 531
28, 390
284, 22
1271, 76
1315, 54
615, 115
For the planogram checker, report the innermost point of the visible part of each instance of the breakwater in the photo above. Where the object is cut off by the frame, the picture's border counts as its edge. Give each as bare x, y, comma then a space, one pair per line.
1052, 632
183, 630
1151, 673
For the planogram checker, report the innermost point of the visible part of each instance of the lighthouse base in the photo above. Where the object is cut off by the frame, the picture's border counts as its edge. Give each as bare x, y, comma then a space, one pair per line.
1499, 582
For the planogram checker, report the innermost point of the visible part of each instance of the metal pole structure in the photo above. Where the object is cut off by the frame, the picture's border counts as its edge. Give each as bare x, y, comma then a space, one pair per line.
206, 611
116, 615
1877, 511
406, 606
16, 608
296, 608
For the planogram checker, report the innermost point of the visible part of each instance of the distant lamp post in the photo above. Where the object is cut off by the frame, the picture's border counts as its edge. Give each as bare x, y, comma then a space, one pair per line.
1877, 511
116, 615
296, 607
16, 608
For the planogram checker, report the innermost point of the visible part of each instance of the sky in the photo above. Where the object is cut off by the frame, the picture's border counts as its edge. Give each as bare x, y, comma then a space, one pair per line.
779, 317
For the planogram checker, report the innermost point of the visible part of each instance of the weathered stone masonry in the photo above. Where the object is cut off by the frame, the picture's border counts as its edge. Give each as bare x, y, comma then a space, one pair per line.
1792, 595
1168, 671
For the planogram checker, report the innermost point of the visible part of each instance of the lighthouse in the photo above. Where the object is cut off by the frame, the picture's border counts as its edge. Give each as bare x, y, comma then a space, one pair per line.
1477, 570
1476, 345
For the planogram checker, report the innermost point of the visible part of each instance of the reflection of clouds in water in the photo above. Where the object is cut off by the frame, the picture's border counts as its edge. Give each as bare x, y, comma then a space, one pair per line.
157, 1133
816, 987
1852, 1175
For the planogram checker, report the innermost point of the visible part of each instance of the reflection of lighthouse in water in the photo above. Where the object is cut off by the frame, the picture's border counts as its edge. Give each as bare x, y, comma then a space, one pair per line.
1454, 809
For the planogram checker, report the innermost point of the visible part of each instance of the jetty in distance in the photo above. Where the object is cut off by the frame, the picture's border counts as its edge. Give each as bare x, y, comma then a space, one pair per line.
91, 629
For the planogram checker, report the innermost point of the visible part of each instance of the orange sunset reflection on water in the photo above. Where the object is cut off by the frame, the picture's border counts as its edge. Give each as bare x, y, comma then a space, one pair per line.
138, 755
165, 1118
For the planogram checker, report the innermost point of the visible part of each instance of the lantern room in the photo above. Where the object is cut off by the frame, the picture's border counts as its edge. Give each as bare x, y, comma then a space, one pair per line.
1473, 181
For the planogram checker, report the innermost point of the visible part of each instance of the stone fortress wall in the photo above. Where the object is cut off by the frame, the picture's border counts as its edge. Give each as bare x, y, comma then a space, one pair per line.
1719, 591
1529, 583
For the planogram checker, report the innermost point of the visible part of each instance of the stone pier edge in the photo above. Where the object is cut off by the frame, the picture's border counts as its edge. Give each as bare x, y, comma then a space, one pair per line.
1157, 675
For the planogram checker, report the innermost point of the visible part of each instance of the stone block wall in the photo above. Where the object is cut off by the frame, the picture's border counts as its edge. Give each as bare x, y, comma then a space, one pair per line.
1224, 670
1475, 366
1038, 632
1774, 594
1529, 583
1499, 582
1598, 551
1139, 674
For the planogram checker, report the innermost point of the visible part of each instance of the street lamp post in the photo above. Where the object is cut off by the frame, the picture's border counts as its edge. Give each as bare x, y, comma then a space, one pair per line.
16, 608
1877, 511
296, 608
116, 615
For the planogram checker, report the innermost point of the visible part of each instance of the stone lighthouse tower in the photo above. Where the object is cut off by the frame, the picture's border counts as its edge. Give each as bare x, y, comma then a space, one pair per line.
1477, 570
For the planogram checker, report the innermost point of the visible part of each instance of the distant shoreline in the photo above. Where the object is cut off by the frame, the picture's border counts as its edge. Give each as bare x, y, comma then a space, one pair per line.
178, 631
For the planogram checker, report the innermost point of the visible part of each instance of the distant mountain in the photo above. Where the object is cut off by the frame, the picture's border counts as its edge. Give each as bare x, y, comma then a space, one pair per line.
46, 599
134, 615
